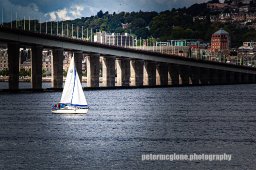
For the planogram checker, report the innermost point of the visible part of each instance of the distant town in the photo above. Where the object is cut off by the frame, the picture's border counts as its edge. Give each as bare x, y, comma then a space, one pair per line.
219, 43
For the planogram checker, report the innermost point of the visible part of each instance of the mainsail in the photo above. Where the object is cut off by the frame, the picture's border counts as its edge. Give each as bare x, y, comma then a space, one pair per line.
73, 93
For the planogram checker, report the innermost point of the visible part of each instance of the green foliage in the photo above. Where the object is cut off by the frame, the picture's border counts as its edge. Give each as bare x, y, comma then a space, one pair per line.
142, 32
166, 25
65, 73
198, 10
45, 73
4, 72
161, 25
24, 73
100, 14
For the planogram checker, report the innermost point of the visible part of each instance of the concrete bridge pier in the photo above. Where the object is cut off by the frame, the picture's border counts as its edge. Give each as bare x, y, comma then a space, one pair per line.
194, 75
251, 78
245, 78
36, 68
93, 69
183, 75
238, 78
205, 76
13, 65
78, 57
214, 76
189, 75
232, 77
222, 77
162, 74
149, 73
136, 78
228, 77
108, 71
123, 71
173, 71
57, 68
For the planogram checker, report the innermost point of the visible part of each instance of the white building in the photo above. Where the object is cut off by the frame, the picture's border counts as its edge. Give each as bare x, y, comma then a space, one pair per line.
3, 59
125, 40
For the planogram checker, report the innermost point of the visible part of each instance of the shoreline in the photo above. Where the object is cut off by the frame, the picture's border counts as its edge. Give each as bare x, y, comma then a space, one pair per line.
44, 80
49, 90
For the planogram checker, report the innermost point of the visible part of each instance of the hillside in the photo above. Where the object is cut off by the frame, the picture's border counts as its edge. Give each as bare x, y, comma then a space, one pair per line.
166, 25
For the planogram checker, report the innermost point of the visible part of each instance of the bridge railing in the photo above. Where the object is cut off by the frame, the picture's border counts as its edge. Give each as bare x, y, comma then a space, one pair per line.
83, 33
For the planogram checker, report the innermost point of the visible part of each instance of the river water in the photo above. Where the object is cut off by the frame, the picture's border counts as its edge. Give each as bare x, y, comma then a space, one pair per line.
121, 125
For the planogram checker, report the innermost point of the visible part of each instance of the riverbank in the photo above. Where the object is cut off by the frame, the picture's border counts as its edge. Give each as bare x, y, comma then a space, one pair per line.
46, 90
24, 79
44, 79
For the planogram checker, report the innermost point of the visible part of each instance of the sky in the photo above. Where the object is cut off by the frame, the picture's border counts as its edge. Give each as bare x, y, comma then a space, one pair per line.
56, 10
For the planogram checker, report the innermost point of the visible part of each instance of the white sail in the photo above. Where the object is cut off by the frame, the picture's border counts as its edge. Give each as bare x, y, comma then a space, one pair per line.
73, 93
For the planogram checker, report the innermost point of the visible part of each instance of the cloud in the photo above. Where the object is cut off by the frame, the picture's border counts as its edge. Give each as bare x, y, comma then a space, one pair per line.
61, 14
33, 6
56, 10
52, 15
75, 11
10, 11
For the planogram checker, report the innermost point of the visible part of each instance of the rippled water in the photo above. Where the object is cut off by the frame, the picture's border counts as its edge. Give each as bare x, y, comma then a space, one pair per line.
124, 124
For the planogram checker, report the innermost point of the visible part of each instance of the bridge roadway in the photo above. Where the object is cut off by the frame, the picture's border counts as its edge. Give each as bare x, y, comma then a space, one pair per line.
132, 67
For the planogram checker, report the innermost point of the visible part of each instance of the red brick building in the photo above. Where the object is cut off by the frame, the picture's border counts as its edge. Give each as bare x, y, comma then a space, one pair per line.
220, 41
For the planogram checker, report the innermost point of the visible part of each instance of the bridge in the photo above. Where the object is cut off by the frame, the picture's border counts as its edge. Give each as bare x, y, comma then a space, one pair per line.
121, 66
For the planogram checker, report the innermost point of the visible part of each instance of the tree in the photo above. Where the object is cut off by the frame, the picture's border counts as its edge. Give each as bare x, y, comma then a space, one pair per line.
4, 72
166, 25
142, 32
214, 1
43, 72
64, 73
100, 14
138, 23
161, 25
24, 73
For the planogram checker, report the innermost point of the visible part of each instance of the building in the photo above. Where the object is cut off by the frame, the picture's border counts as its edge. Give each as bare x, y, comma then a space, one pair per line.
66, 60
216, 6
26, 65
124, 40
24, 55
125, 25
239, 2
192, 43
246, 54
25, 59
104, 38
220, 41
220, 44
3, 59
199, 18
46, 60
249, 44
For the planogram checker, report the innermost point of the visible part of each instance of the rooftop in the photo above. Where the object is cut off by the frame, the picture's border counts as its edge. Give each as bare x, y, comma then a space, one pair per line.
221, 32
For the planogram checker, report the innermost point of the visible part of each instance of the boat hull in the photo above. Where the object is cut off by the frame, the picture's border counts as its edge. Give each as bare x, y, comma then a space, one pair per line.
70, 111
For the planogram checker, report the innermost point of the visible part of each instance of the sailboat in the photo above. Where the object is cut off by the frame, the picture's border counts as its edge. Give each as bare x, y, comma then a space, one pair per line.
73, 99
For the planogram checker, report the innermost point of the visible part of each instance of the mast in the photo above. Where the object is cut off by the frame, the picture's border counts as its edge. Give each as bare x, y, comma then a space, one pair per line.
74, 70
